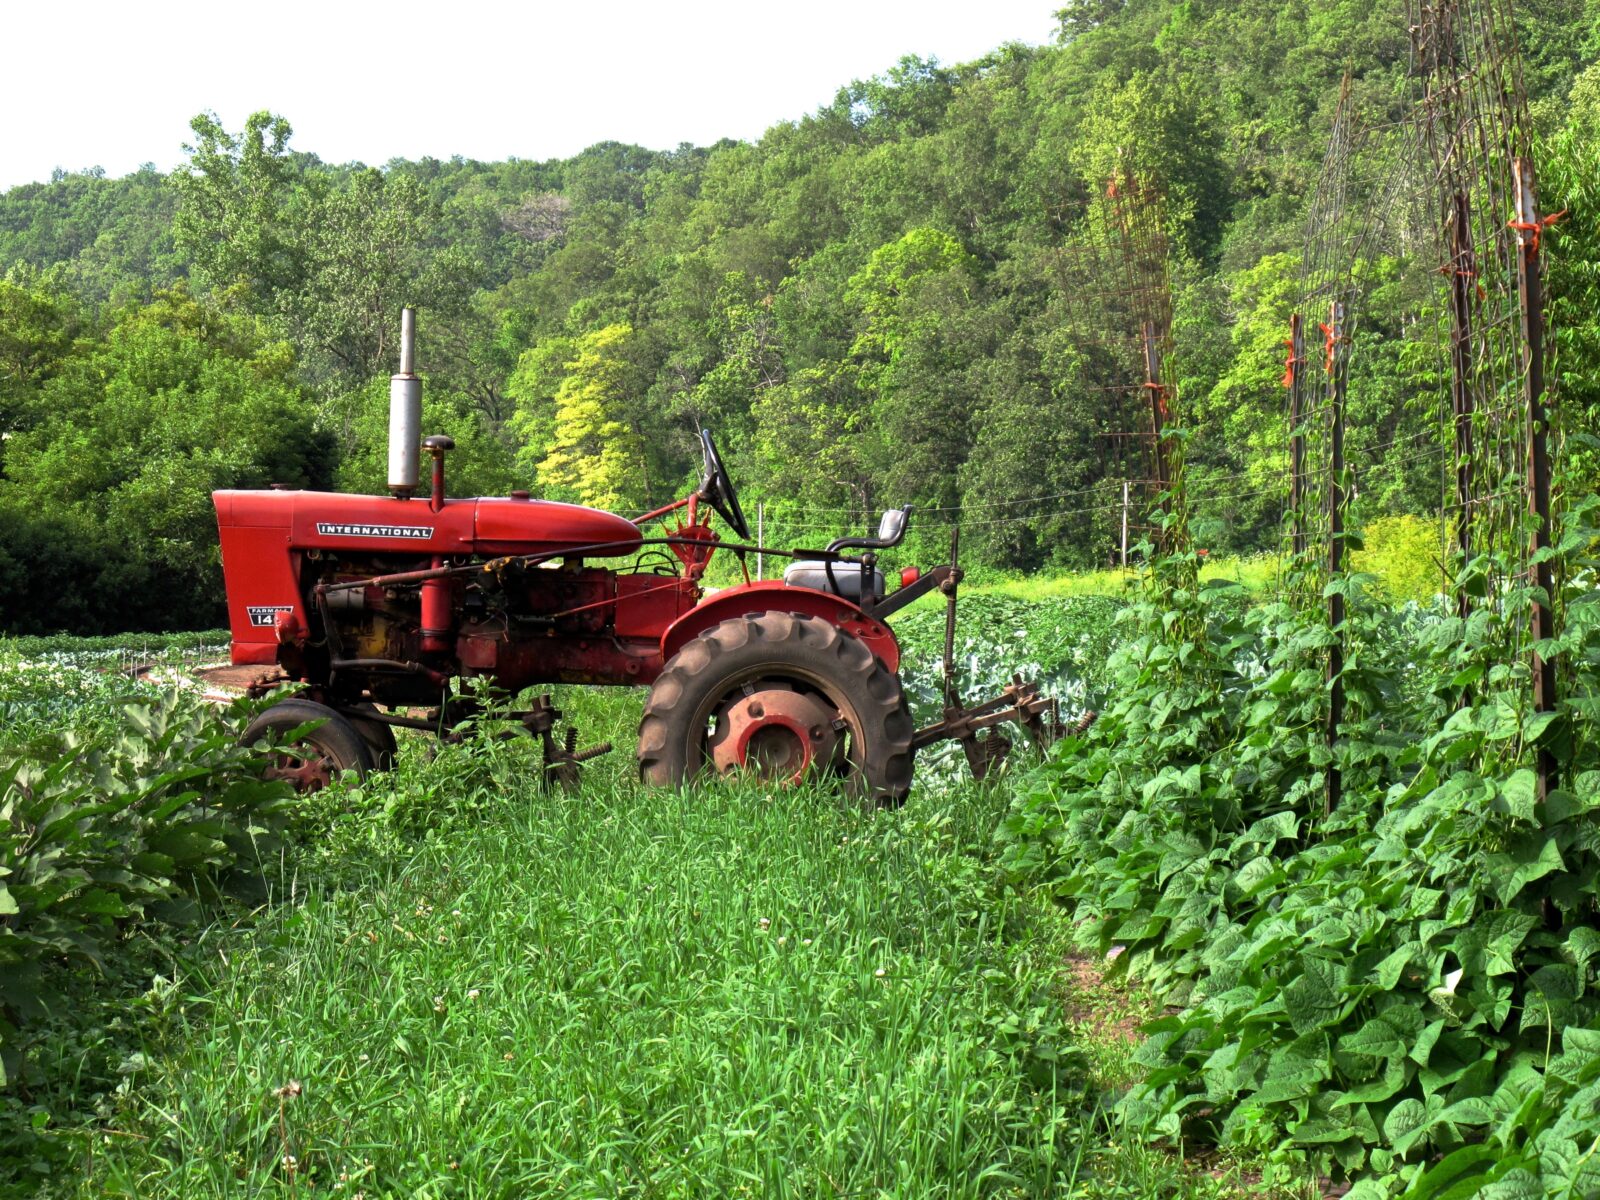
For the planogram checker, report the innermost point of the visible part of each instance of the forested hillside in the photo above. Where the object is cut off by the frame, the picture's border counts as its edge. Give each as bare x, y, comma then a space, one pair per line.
865, 304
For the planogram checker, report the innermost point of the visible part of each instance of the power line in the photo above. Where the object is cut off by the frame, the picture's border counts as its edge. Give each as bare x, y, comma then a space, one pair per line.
1054, 514
1107, 482
809, 519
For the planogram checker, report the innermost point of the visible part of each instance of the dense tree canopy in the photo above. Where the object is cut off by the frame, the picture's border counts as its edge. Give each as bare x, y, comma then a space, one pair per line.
866, 304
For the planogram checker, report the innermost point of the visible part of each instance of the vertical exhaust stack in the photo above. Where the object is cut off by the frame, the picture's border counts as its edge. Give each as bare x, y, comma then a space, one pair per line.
405, 412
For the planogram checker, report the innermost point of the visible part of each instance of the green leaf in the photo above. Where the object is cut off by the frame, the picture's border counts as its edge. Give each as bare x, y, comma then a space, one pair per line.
1274, 828
1321, 1131
1315, 997
1534, 728
1518, 1184
1424, 1044
1387, 973
1474, 1110
1465, 1166
1290, 1080
1582, 945
1533, 857
1408, 1122
1376, 1039
1396, 1074
1504, 933
1517, 794
1255, 873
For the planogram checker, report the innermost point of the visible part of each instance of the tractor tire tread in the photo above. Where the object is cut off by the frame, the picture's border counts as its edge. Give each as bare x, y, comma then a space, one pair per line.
337, 736
804, 641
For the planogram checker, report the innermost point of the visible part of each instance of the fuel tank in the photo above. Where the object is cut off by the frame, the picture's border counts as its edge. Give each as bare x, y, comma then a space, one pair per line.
385, 525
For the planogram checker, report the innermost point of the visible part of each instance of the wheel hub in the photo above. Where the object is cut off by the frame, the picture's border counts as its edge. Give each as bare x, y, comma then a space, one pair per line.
776, 733
305, 775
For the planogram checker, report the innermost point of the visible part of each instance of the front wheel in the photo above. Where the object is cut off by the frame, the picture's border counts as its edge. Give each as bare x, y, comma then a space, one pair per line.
378, 735
317, 757
780, 696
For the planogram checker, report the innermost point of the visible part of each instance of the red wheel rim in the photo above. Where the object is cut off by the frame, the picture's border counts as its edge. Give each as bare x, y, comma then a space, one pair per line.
775, 732
305, 774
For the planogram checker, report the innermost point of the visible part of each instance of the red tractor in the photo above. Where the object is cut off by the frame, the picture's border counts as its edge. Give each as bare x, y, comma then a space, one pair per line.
376, 606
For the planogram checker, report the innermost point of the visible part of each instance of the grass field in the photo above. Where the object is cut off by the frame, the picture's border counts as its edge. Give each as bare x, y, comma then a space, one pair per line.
465, 985
1257, 574
622, 993
724, 992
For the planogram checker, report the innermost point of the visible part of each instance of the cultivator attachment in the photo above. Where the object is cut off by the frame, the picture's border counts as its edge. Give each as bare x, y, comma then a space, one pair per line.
977, 727
561, 758
1020, 702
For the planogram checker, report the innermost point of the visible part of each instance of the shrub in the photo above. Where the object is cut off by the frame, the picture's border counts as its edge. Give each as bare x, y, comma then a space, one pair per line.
103, 829
1403, 552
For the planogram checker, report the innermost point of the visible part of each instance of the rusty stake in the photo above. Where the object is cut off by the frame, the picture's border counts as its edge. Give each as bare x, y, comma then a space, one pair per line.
1543, 619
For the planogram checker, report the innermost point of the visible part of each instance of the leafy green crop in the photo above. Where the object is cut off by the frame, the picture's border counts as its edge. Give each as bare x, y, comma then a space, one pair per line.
1063, 642
50, 684
1398, 991
100, 829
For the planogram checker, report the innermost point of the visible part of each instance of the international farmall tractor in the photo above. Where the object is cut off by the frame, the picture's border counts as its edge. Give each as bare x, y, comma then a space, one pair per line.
376, 608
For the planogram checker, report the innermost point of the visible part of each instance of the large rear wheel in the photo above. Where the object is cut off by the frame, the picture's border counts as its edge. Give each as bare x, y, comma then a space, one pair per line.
781, 696
317, 757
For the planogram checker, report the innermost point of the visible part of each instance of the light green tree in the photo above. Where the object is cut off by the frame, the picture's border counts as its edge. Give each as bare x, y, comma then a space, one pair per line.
885, 289
597, 451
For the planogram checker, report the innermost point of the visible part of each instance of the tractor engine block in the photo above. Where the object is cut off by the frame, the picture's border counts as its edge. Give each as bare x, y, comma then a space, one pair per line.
522, 625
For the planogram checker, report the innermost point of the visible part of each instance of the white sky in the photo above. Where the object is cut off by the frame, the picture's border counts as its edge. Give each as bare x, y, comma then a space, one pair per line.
114, 84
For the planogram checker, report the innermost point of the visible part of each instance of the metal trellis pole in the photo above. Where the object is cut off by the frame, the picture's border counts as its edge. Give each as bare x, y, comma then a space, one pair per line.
1297, 437
1158, 403
1528, 226
1124, 523
1463, 271
1336, 500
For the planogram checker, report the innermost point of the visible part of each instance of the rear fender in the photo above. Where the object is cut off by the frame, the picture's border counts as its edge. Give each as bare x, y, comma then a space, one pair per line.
777, 596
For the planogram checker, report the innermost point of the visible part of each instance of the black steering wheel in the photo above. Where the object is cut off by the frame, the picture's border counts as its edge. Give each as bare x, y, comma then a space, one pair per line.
716, 489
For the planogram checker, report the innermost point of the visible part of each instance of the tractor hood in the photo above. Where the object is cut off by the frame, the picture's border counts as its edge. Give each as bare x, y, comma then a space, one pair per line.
382, 524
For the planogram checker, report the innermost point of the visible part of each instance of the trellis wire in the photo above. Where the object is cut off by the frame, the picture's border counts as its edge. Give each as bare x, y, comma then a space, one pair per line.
1365, 209
1474, 115
1482, 238
1116, 288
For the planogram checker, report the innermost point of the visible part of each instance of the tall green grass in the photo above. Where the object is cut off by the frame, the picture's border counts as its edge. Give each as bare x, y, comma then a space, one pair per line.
720, 992
463, 985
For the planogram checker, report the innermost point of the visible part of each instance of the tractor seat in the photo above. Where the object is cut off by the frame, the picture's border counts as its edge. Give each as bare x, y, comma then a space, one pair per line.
813, 573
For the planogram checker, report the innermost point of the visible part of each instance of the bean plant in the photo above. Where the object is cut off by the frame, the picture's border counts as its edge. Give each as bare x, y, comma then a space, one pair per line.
1399, 992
